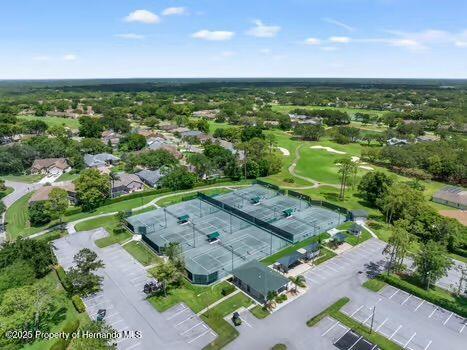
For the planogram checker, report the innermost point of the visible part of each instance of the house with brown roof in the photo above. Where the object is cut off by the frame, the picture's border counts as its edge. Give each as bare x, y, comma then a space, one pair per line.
125, 184
452, 196
42, 194
50, 166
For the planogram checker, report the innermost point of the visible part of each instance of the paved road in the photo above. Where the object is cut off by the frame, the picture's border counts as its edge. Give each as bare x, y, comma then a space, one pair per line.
122, 296
19, 190
327, 283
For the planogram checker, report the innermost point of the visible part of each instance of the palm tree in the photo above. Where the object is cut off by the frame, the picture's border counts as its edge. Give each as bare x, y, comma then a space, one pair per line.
346, 168
299, 281
112, 177
272, 141
271, 299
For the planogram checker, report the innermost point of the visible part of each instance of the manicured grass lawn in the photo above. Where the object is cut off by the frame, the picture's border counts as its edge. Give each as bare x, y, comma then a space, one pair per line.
290, 249
260, 312
374, 285
350, 111
141, 253
68, 177
22, 178
214, 318
109, 223
458, 257
324, 255
17, 218
196, 297
53, 121
334, 312
354, 240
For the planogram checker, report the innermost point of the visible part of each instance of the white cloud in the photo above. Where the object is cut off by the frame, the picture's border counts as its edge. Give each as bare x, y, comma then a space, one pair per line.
130, 36
339, 39
260, 30
408, 43
339, 24
312, 41
142, 16
459, 43
265, 51
171, 11
216, 35
70, 57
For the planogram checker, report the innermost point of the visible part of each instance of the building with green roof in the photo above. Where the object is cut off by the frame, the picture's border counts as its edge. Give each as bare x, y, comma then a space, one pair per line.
258, 280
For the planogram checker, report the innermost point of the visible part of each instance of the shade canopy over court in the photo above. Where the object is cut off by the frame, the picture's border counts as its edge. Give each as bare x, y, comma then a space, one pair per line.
218, 234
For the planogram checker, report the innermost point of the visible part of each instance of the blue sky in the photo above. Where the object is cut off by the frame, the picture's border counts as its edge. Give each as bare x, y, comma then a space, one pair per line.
54, 39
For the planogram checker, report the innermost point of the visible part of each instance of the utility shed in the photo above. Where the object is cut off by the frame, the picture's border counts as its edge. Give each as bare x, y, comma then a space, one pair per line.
452, 196
258, 280
289, 261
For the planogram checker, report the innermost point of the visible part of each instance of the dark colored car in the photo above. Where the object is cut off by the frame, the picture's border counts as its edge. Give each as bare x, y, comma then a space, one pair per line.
101, 314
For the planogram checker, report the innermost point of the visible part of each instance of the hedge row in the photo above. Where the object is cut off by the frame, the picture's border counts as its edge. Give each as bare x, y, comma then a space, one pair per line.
62, 276
62, 343
78, 303
458, 307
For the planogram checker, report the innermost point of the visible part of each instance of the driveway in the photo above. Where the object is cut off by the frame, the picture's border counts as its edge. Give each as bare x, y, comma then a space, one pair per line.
122, 296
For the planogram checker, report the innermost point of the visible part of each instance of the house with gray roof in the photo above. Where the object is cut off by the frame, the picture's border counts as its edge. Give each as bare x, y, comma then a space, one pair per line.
258, 280
150, 177
100, 160
126, 183
452, 196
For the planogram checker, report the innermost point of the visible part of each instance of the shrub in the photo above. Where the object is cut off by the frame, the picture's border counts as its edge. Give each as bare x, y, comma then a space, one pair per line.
459, 307
289, 180
279, 347
62, 343
227, 290
62, 276
78, 303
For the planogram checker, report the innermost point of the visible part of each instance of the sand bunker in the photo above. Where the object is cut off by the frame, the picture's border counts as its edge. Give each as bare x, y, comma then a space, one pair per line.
284, 151
366, 167
329, 149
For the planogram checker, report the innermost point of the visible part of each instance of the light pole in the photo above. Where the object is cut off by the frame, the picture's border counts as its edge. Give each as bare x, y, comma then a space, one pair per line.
372, 319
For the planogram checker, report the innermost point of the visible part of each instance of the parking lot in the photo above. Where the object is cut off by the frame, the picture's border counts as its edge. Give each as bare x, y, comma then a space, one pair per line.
122, 296
342, 337
190, 326
424, 308
406, 320
344, 262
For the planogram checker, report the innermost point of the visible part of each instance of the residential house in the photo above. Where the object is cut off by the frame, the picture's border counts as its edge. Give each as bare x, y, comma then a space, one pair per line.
304, 119
125, 184
452, 196
258, 280
42, 194
208, 114
166, 146
150, 177
397, 142
96, 160
50, 166
111, 137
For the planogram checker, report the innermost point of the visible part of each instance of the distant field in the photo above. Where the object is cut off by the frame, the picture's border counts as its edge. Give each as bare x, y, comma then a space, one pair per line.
53, 121
351, 111
22, 178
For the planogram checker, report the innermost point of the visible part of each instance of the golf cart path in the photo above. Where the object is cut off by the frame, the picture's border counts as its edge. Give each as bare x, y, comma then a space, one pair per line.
315, 183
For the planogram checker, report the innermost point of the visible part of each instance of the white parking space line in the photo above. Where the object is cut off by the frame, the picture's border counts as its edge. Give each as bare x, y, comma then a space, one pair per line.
381, 325
463, 326
249, 325
330, 268
452, 313
355, 343
423, 301
353, 313
178, 312
408, 341
199, 336
397, 291
186, 319
393, 334
428, 345
436, 308
406, 299
189, 329
326, 332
